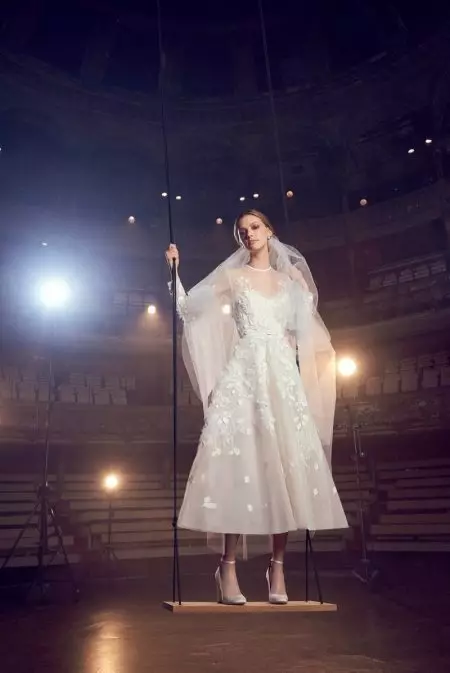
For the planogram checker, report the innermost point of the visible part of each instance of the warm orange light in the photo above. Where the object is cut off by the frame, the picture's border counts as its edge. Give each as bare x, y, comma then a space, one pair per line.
111, 482
347, 366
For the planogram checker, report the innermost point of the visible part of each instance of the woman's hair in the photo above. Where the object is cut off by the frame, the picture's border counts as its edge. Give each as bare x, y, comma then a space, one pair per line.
255, 213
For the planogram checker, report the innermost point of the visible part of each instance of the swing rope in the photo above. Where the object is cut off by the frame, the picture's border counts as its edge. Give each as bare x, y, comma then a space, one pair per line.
275, 127
176, 582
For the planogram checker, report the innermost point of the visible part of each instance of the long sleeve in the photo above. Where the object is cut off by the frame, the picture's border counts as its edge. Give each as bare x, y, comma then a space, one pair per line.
209, 331
202, 298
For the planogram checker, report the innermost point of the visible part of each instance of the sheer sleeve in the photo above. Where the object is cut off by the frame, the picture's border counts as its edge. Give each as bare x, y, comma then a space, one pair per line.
316, 358
191, 305
209, 332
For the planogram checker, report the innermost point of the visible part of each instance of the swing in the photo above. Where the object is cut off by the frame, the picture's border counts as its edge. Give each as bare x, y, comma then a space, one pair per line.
176, 605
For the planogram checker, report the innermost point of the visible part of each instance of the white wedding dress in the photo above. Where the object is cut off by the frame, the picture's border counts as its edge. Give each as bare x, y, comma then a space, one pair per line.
260, 467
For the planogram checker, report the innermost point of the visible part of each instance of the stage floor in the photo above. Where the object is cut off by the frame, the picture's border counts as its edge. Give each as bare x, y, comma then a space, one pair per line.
124, 629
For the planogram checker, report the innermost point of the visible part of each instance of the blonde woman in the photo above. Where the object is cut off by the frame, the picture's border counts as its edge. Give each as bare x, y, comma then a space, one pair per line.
261, 360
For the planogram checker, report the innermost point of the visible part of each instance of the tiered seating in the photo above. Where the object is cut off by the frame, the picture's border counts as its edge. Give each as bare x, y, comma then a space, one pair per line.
408, 272
26, 385
415, 496
424, 372
411, 502
141, 516
17, 500
31, 385
95, 389
346, 482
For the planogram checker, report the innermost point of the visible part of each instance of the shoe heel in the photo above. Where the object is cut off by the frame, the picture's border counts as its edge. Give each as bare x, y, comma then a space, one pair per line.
219, 593
234, 600
274, 599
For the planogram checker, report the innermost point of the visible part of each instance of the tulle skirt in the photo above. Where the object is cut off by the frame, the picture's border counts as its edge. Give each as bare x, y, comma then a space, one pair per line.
260, 468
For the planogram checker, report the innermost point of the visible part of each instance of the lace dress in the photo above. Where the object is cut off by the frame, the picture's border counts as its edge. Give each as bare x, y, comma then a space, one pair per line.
260, 467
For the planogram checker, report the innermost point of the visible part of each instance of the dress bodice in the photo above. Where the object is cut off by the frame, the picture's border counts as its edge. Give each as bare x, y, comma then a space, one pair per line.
259, 315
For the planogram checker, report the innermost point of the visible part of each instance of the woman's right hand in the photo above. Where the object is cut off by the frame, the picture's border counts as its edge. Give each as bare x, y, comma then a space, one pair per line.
172, 254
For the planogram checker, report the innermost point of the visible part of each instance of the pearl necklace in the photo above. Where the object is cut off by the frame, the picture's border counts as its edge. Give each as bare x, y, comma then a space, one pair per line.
256, 269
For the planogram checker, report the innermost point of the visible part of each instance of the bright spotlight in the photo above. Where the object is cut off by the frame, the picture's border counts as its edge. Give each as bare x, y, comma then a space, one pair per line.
111, 482
411, 150
242, 198
290, 194
151, 309
219, 220
178, 198
363, 202
131, 219
54, 292
256, 196
347, 366
164, 195
44, 244
428, 141
226, 309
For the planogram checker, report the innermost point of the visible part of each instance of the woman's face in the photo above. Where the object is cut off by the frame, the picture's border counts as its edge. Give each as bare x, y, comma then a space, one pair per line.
253, 232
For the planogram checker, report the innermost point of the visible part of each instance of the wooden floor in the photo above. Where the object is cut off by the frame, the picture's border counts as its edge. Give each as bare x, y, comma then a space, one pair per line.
120, 626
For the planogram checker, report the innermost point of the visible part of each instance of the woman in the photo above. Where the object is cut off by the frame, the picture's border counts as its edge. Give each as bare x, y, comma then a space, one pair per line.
263, 462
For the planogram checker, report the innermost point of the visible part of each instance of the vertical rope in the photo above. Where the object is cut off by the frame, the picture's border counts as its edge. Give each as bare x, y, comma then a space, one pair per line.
276, 133
176, 583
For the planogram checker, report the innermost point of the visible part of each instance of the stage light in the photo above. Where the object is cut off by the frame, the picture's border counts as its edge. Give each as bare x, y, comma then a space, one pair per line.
131, 219
363, 202
164, 195
178, 198
111, 482
44, 244
151, 309
290, 194
242, 198
256, 196
347, 366
219, 220
226, 309
428, 141
54, 292
411, 150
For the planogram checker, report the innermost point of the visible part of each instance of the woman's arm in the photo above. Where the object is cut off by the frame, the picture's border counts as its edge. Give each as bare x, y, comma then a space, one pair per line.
191, 305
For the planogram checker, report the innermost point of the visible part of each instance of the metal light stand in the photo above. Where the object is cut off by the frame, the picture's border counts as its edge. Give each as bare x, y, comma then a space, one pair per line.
364, 571
44, 510
108, 550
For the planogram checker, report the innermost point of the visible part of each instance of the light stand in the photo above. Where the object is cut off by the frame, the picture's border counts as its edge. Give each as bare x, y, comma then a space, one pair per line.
44, 510
111, 483
364, 571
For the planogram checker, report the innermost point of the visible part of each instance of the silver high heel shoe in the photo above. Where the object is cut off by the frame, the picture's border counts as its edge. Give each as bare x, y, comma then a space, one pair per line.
239, 599
275, 599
